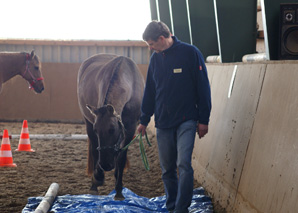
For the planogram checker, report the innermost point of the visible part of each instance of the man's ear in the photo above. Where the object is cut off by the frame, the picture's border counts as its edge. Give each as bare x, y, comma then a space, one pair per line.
161, 38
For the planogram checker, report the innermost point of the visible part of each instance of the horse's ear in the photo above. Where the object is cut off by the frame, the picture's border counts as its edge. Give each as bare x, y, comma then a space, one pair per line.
32, 54
110, 109
91, 109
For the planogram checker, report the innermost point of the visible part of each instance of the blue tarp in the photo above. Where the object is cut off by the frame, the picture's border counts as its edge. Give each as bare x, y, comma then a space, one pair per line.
132, 203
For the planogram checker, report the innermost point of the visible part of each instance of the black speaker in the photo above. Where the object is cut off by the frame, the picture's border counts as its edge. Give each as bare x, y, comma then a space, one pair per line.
288, 32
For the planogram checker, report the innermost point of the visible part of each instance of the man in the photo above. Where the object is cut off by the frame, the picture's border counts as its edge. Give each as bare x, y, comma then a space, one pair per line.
177, 92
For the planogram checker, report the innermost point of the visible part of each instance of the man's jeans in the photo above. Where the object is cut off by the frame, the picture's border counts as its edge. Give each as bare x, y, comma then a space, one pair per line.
175, 147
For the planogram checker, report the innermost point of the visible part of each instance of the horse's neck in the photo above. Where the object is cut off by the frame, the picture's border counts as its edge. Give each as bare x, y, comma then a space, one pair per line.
118, 109
116, 102
11, 65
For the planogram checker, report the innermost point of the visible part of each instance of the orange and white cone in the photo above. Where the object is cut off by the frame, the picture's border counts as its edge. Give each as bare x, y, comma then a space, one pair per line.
24, 142
5, 151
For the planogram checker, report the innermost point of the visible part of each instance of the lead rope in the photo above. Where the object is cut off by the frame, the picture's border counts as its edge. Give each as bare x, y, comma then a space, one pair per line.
142, 148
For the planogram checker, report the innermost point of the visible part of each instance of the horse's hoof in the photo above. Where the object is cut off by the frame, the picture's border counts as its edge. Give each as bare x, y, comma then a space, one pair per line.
93, 190
97, 182
119, 196
98, 178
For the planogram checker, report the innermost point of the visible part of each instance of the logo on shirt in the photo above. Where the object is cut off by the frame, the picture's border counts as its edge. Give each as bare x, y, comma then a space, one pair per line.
178, 70
200, 67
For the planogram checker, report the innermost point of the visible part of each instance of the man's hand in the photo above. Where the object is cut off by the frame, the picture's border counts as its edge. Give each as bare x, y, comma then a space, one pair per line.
141, 129
202, 130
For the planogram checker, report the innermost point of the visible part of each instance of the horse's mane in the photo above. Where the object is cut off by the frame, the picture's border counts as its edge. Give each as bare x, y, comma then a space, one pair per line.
116, 64
9, 54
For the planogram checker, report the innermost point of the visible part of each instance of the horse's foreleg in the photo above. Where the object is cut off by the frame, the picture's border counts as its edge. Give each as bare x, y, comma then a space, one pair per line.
94, 168
98, 176
122, 158
121, 161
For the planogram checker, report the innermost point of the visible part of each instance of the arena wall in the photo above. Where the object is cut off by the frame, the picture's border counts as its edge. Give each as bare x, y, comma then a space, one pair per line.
248, 160
61, 60
58, 102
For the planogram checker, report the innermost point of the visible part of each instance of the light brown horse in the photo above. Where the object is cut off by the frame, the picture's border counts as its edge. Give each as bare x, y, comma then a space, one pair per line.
24, 64
110, 90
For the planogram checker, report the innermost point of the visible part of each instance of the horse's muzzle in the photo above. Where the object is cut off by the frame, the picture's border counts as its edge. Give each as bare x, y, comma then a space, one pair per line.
39, 90
37, 85
107, 162
108, 166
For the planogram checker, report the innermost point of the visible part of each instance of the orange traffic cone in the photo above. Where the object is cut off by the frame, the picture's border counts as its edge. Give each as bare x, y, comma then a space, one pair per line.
5, 151
24, 142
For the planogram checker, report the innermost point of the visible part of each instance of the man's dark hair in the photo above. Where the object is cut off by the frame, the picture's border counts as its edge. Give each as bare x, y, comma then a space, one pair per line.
154, 30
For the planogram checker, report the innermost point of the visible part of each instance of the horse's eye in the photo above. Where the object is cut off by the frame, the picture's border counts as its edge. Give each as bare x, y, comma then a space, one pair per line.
36, 68
111, 131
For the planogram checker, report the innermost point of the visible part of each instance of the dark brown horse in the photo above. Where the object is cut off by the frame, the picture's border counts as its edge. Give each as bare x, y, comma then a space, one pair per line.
24, 64
110, 90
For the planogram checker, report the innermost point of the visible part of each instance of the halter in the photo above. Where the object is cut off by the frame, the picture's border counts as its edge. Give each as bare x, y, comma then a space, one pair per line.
34, 80
116, 148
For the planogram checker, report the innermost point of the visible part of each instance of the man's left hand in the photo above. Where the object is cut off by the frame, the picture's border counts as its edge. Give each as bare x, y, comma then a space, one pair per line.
202, 130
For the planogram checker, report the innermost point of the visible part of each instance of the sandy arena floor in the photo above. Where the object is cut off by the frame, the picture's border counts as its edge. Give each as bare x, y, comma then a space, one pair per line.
64, 162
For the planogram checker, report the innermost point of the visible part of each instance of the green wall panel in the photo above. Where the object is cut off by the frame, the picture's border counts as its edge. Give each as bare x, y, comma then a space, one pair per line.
153, 10
236, 28
180, 20
160, 10
203, 26
164, 13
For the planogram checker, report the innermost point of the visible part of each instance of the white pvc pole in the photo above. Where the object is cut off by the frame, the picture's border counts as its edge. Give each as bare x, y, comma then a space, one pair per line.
55, 136
48, 199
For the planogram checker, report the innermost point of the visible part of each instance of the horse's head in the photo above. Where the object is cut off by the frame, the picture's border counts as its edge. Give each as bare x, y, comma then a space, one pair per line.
32, 72
110, 133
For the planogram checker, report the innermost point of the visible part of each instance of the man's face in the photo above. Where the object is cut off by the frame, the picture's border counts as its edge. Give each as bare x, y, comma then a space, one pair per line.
156, 46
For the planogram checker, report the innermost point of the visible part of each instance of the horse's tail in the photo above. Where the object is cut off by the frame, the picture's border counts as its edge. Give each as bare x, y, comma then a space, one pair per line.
90, 163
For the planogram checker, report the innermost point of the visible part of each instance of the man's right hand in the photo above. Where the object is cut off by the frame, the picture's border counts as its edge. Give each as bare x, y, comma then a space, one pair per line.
141, 129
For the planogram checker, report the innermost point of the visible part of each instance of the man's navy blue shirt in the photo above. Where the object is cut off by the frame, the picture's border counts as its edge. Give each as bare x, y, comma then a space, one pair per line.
177, 87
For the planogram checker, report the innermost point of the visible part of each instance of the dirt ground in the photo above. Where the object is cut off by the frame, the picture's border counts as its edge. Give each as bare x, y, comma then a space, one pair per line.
64, 162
